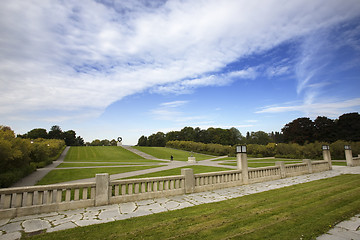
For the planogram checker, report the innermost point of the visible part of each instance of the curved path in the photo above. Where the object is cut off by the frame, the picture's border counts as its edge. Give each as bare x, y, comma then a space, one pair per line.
36, 176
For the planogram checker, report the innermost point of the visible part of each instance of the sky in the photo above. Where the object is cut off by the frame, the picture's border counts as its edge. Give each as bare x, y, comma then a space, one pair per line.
107, 68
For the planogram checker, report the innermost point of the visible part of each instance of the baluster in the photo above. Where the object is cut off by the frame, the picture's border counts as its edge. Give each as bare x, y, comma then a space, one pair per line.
85, 193
143, 187
116, 190
76, 194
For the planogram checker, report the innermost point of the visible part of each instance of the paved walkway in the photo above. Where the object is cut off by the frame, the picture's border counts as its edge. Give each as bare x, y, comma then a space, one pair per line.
36, 176
50, 222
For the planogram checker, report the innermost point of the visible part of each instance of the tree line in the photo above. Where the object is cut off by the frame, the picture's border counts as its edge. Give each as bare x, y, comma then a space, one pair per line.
55, 132
279, 150
300, 131
304, 130
21, 156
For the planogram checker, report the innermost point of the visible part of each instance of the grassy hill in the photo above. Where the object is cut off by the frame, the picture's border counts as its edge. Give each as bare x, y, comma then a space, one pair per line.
165, 153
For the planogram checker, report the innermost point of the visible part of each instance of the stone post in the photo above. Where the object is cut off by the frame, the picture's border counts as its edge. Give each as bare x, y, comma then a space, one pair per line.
191, 159
102, 190
188, 173
242, 164
348, 156
308, 162
282, 168
327, 156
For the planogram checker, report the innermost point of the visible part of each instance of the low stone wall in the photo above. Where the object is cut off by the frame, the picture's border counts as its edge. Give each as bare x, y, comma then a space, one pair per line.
356, 161
23, 201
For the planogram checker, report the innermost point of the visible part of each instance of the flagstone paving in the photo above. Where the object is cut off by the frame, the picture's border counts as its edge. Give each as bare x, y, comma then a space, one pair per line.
56, 221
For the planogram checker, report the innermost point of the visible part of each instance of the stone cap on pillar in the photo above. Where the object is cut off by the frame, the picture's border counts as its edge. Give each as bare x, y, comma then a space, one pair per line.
241, 149
325, 147
347, 147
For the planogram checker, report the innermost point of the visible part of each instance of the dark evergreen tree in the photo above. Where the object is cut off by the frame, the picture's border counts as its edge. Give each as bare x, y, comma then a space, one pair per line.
299, 131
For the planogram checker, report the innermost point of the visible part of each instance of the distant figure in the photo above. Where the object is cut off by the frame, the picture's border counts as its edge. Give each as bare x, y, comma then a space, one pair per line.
171, 158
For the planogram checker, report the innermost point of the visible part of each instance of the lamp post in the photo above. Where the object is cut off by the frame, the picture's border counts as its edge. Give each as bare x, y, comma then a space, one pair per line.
242, 164
326, 155
348, 156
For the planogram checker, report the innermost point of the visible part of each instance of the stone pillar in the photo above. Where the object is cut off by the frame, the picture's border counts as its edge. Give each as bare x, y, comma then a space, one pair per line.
308, 162
327, 157
102, 189
282, 168
188, 173
191, 159
242, 164
348, 157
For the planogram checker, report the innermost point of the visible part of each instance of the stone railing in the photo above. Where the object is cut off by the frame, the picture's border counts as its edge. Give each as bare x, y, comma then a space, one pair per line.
23, 201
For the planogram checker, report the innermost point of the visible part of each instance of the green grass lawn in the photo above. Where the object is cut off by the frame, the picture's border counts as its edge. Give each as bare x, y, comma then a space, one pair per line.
90, 164
261, 160
302, 211
102, 153
177, 171
339, 163
65, 175
165, 153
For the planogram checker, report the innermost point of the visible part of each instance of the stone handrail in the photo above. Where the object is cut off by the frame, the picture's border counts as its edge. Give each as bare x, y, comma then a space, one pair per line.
23, 201
145, 188
216, 180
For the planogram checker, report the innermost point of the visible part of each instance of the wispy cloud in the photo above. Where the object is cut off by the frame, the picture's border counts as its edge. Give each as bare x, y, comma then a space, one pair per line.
72, 56
221, 79
174, 112
328, 108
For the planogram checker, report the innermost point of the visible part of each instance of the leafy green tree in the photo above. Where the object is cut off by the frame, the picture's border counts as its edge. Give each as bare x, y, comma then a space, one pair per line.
299, 131
69, 137
348, 127
157, 140
105, 142
324, 129
55, 132
79, 141
113, 142
259, 137
143, 141
96, 142
37, 133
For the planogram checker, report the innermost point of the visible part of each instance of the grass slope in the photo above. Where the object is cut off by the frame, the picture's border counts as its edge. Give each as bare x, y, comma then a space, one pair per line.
101, 153
65, 175
301, 211
177, 171
165, 153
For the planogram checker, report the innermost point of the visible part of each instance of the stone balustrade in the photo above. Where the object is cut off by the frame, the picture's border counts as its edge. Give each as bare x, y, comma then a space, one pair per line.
23, 201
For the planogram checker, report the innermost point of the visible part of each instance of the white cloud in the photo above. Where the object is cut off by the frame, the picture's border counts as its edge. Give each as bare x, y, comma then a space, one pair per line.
76, 56
328, 108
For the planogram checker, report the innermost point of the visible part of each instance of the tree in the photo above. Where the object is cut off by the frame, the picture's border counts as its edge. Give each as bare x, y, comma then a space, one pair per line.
96, 142
142, 141
324, 130
79, 141
37, 133
105, 142
157, 140
69, 137
299, 131
348, 127
55, 132
113, 142
259, 137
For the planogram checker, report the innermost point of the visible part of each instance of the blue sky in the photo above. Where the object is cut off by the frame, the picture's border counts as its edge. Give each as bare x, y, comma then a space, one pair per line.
130, 68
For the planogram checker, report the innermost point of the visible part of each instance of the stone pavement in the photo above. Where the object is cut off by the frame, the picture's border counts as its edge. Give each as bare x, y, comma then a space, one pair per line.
50, 222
